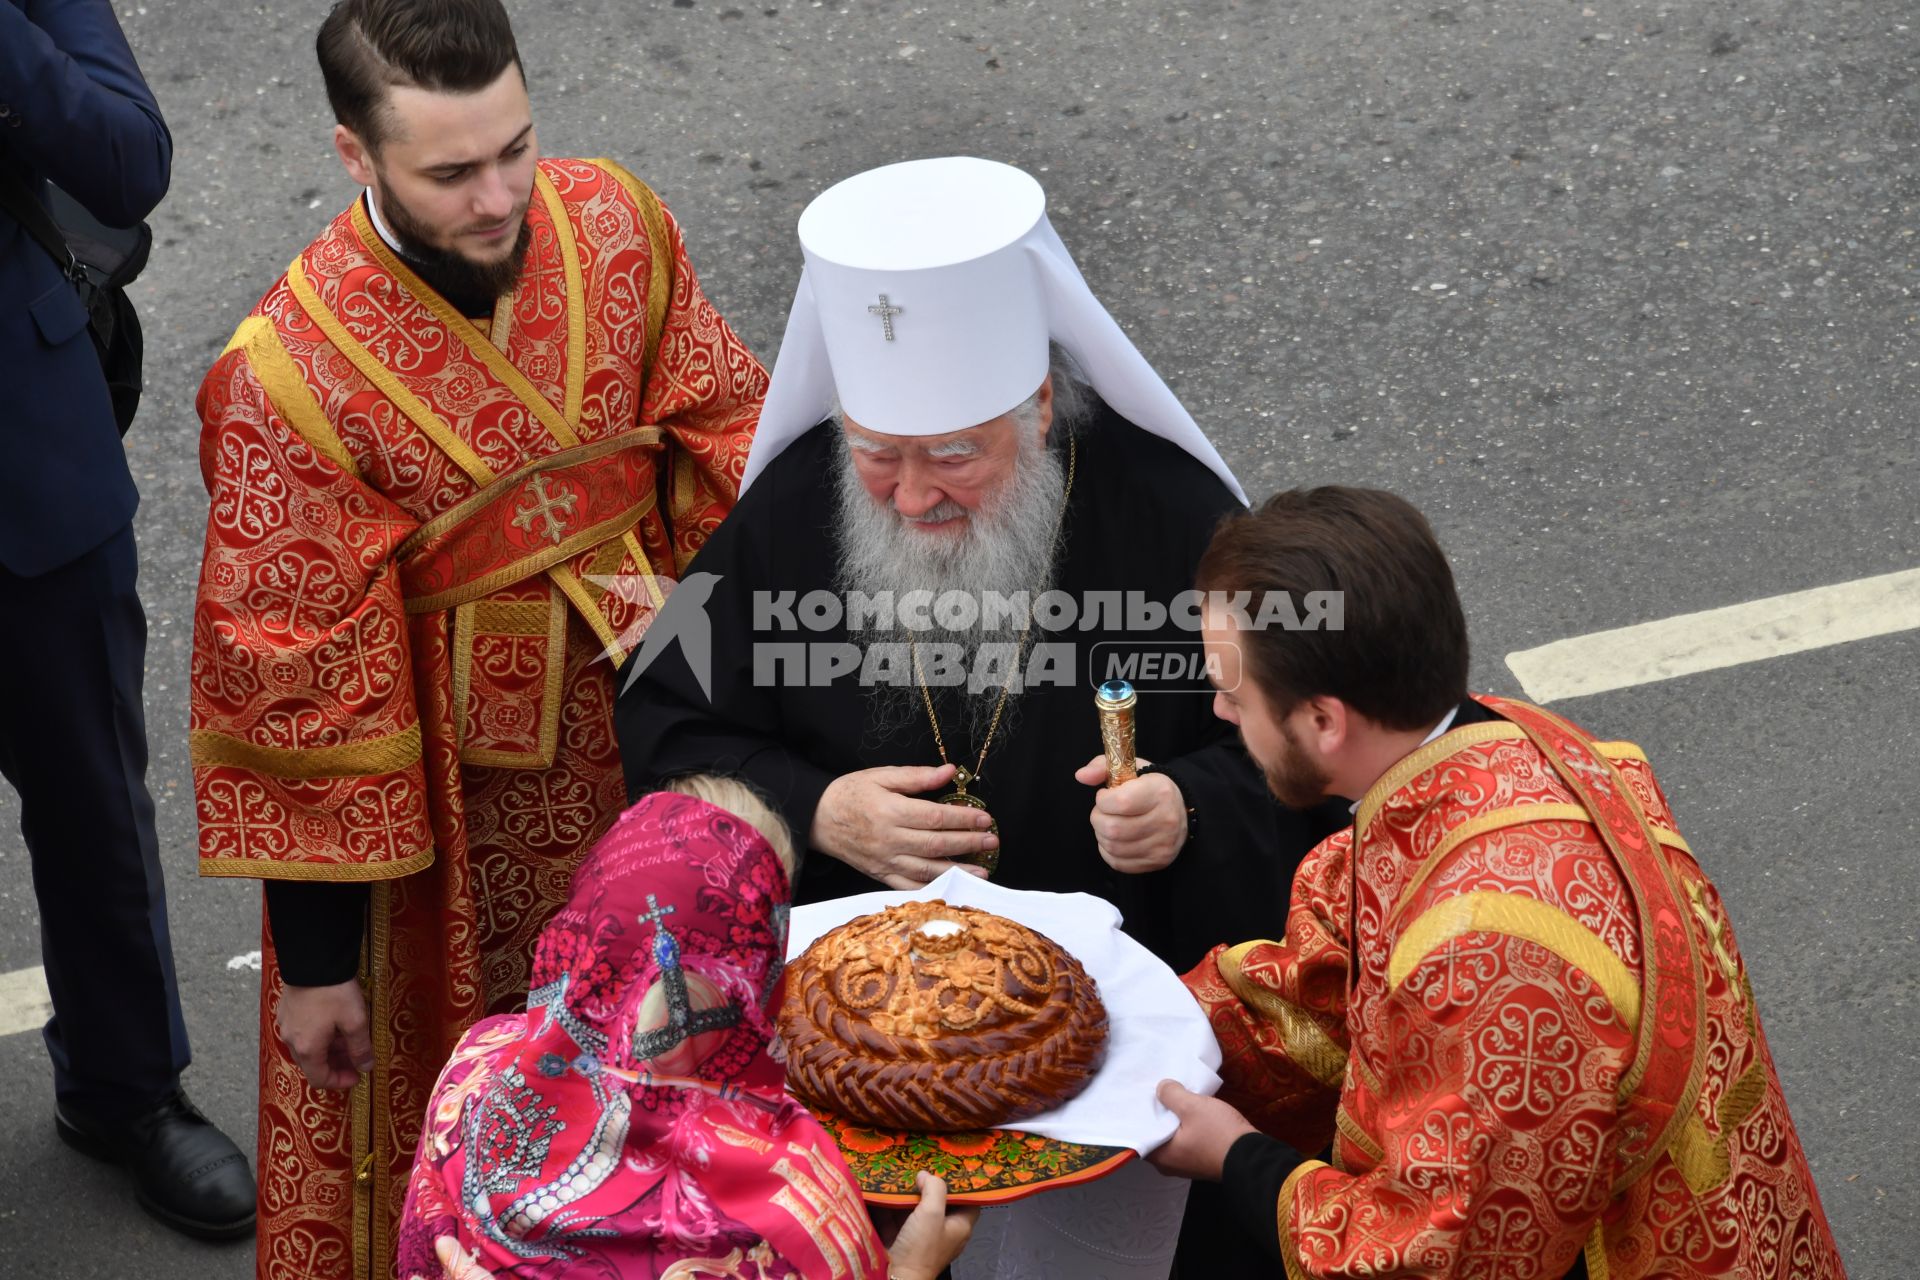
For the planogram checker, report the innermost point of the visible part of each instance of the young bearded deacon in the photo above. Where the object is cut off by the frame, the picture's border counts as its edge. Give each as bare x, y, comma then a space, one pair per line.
486, 399
1508, 995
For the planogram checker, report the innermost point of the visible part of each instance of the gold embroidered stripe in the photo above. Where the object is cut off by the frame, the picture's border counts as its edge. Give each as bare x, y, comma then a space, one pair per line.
500, 331
1307, 1046
1515, 816
1365, 1072
684, 491
1596, 1253
1489, 911
646, 566
589, 610
378, 1223
382, 378
365, 759
343, 872
1289, 1246
1351, 1130
511, 617
576, 298
590, 596
463, 616
607, 559
360, 1111
1418, 762
660, 245
240, 335
1703, 1161
1671, 839
288, 390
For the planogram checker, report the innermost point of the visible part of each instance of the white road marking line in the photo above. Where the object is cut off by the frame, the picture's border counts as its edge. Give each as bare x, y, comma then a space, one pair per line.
24, 1002
1716, 638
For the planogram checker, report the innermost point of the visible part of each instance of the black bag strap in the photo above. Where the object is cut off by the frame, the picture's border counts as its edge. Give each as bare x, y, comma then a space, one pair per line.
18, 199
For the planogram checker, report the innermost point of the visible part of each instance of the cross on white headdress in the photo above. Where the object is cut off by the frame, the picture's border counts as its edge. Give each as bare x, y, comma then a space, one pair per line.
886, 311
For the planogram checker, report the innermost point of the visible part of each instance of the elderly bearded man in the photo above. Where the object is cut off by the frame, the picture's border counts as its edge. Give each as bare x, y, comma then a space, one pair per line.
488, 390
916, 439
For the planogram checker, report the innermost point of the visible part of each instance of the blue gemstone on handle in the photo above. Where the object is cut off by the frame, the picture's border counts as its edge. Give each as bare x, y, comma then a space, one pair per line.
1116, 690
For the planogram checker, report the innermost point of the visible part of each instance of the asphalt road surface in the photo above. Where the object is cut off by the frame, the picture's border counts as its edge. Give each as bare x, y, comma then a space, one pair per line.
1623, 295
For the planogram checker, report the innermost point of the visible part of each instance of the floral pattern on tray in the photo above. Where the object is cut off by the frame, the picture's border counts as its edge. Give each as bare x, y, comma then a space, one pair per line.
991, 1166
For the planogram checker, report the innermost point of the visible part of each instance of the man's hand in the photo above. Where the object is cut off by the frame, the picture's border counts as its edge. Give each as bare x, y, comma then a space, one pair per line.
931, 1238
1208, 1129
1139, 825
870, 821
326, 1031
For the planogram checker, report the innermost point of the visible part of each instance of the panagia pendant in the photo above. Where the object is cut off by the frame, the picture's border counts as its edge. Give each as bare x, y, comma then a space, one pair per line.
988, 859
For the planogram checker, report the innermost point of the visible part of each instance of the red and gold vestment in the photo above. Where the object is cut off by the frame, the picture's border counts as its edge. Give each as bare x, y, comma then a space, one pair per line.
1512, 1001
426, 534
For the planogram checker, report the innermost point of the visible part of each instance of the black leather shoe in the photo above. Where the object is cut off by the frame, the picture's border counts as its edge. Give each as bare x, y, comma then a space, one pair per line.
185, 1171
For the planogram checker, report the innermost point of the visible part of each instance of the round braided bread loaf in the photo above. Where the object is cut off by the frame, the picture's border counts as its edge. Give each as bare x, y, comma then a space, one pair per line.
939, 1018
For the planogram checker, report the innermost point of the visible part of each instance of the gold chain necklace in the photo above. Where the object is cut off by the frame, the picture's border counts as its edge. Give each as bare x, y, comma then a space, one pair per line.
964, 777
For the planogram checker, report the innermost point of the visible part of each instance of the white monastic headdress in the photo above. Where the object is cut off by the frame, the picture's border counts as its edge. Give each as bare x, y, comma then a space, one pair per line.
930, 292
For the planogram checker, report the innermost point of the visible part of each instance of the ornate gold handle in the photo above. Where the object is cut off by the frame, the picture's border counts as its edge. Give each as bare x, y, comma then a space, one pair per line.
1114, 701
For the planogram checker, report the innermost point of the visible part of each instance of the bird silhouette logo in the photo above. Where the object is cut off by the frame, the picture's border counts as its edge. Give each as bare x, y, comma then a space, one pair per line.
682, 617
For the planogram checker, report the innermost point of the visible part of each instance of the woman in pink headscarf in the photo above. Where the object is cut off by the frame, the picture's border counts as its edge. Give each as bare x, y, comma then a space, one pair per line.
633, 1124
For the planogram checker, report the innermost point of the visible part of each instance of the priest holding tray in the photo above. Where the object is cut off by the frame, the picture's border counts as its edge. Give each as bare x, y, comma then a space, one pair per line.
967, 494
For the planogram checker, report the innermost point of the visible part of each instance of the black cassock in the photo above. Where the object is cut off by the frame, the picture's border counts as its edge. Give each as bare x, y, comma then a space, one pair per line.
1140, 514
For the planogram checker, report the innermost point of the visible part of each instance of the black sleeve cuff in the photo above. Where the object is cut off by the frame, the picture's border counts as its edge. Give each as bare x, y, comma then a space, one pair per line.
316, 926
1256, 1169
1186, 776
795, 785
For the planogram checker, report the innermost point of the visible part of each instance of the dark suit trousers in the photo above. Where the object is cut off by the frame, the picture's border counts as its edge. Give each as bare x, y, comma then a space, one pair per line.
73, 743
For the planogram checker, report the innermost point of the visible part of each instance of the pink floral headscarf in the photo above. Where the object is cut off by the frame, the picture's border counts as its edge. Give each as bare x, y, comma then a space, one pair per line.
583, 1139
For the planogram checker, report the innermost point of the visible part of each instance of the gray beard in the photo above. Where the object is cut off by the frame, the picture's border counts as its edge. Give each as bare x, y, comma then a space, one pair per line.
1007, 547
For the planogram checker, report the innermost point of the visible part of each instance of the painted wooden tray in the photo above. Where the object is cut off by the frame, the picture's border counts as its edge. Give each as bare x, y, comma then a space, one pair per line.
990, 1166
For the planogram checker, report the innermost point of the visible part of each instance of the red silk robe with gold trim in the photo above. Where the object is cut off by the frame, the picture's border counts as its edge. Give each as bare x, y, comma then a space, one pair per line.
430, 546
1518, 1013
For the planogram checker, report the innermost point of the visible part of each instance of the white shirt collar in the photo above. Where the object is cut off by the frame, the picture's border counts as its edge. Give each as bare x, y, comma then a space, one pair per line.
1445, 724
379, 224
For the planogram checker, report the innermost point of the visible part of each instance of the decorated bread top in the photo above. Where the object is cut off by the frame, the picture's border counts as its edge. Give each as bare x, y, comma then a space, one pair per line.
938, 1018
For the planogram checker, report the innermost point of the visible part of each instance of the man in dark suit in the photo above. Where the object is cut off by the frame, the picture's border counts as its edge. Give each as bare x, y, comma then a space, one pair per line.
74, 110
